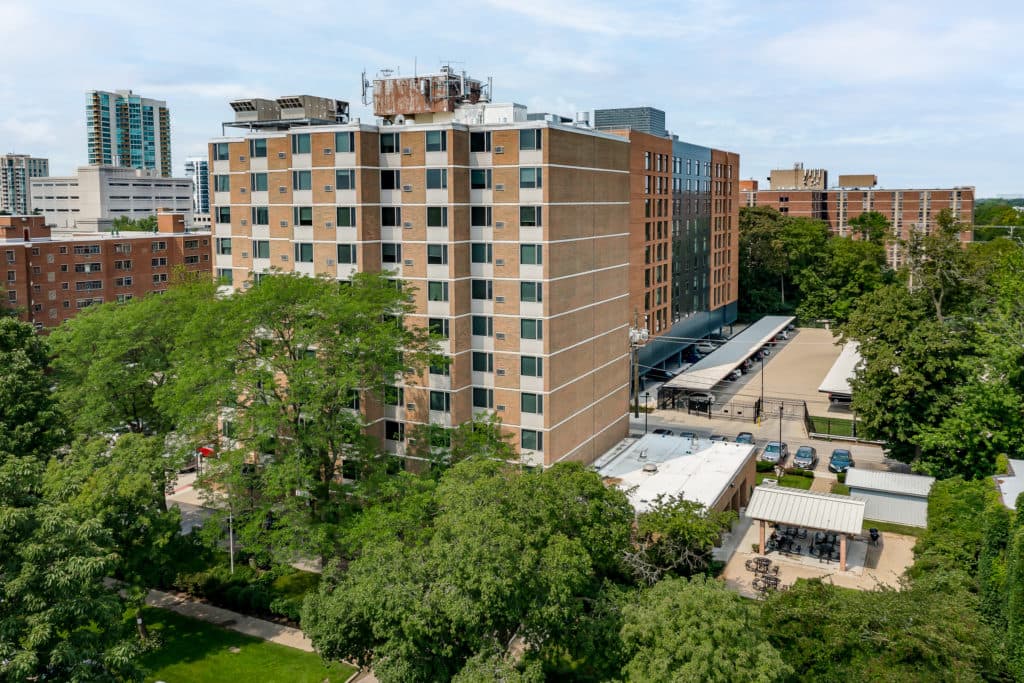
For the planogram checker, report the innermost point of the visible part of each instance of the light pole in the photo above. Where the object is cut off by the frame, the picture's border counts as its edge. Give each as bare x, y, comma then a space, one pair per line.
760, 411
647, 408
781, 408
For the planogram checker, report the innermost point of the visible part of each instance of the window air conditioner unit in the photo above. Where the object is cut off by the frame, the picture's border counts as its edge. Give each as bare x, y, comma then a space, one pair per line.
500, 187
284, 257
328, 188
499, 224
241, 157
245, 221
243, 190
500, 149
407, 151
282, 189
410, 406
330, 262
328, 151
501, 372
329, 224
284, 224
407, 224
281, 155
500, 336
499, 262
406, 188
245, 254
501, 407
499, 299
408, 261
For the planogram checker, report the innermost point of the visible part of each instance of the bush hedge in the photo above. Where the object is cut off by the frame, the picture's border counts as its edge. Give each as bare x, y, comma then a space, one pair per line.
797, 472
278, 592
841, 477
765, 466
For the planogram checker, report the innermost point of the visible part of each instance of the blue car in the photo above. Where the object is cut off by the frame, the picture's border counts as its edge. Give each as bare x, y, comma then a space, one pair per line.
840, 461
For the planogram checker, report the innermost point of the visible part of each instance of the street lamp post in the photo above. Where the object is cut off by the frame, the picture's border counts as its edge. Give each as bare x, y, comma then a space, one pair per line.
647, 408
781, 408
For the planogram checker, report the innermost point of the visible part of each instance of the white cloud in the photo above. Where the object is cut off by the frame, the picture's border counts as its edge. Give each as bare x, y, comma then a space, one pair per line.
28, 131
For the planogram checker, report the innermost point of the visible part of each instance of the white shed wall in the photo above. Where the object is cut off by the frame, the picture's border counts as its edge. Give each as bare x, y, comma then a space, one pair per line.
893, 507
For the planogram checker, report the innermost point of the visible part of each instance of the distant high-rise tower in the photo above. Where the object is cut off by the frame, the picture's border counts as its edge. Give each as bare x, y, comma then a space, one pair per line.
641, 119
15, 171
128, 130
198, 169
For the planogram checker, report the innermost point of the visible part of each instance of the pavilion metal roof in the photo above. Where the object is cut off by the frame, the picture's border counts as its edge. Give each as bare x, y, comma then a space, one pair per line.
796, 507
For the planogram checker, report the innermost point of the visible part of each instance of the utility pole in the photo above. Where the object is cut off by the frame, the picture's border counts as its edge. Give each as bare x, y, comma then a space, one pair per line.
637, 338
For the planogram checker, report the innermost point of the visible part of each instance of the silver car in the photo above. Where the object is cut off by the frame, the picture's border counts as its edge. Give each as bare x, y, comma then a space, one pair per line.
775, 452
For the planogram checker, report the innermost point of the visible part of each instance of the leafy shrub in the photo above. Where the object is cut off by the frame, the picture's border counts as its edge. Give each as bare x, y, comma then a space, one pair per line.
277, 592
765, 466
841, 477
797, 472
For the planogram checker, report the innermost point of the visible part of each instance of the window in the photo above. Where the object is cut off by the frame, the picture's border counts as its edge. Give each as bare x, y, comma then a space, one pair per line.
121, 298
394, 396
346, 253
531, 329
225, 275
531, 366
440, 401
531, 403
346, 217
437, 178
158, 262
437, 254
480, 179
483, 326
124, 281
529, 216
191, 244
389, 143
300, 143
344, 142
302, 180
302, 215
394, 431
258, 182
529, 178
221, 183
391, 216
79, 268
223, 214
390, 179
438, 327
481, 252
530, 291
260, 215
437, 216
221, 151
483, 289
530, 254
258, 147
261, 249
529, 138
303, 252
480, 142
531, 440
86, 285
122, 265
483, 362
443, 368
159, 277
437, 291
437, 141
11, 275
391, 252
480, 216
190, 260
345, 180
483, 398
121, 248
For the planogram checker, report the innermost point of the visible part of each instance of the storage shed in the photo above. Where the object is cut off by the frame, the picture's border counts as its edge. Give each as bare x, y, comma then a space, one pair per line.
891, 496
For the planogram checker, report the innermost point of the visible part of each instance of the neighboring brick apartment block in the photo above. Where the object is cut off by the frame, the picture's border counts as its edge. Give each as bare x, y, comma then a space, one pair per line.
907, 209
50, 277
514, 233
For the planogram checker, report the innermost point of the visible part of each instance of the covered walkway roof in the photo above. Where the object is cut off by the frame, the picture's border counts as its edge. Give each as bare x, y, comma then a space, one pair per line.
837, 381
717, 365
796, 507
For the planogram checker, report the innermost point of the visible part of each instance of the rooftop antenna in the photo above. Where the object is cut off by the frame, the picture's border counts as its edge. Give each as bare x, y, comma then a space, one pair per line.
366, 87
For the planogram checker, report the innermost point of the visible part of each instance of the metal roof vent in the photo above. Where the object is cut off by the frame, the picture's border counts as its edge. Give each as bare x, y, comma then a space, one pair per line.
650, 467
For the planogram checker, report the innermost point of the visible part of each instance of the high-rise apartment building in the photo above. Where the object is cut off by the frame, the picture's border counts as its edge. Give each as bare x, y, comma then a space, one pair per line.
51, 277
641, 119
515, 234
198, 169
908, 210
127, 130
15, 172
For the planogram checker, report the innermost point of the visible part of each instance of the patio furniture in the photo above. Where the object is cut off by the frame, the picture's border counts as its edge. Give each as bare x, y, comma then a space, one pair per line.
874, 536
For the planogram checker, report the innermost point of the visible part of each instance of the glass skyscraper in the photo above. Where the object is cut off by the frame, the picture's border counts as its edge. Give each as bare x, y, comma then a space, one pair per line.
128, 130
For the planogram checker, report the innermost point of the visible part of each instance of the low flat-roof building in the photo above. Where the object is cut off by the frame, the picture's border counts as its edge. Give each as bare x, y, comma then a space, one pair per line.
837, 382
716, 474
892, 496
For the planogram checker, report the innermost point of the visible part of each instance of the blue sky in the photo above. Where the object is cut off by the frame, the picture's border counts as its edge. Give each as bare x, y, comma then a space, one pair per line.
920, 93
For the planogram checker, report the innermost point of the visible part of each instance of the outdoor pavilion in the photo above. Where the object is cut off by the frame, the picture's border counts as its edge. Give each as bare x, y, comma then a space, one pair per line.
818, 511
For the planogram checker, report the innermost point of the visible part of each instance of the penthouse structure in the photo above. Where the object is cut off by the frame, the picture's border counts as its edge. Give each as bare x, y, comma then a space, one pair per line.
908, 210
515, 234
50, 278
16, 170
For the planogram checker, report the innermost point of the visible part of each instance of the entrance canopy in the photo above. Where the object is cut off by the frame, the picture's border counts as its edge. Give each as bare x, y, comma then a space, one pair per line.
717, 365
795, 507
837, 381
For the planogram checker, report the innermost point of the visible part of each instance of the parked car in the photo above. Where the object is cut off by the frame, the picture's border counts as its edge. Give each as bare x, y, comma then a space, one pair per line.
719, 437
688, 435
776, 452
790, 327
735, 375
806, 457
840, 461
701, 397
663, 432
706, 347
745, 437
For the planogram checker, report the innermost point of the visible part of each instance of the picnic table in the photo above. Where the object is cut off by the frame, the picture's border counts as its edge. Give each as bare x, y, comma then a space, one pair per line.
761, 565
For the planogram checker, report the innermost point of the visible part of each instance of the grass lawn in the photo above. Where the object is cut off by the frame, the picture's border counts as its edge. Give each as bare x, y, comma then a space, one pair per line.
840, 489
791, 480
836, 426
196, 652
915, 531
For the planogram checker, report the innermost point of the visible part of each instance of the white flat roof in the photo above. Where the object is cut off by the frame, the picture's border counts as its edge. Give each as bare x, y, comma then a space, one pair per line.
716, 366
837, 381
695, 469
890, 482
1011, 485
796, 507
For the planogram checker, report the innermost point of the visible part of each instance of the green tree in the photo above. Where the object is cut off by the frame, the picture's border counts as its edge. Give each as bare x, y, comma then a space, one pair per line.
762, 261
938, 267
30, 423
847, 270
512, 557
1015, 604
278, 370
697, 630
123, 223
481, 436
111, 360
871, 226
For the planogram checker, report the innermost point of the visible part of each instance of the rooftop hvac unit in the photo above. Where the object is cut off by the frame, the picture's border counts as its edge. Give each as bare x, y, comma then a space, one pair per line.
650, 467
